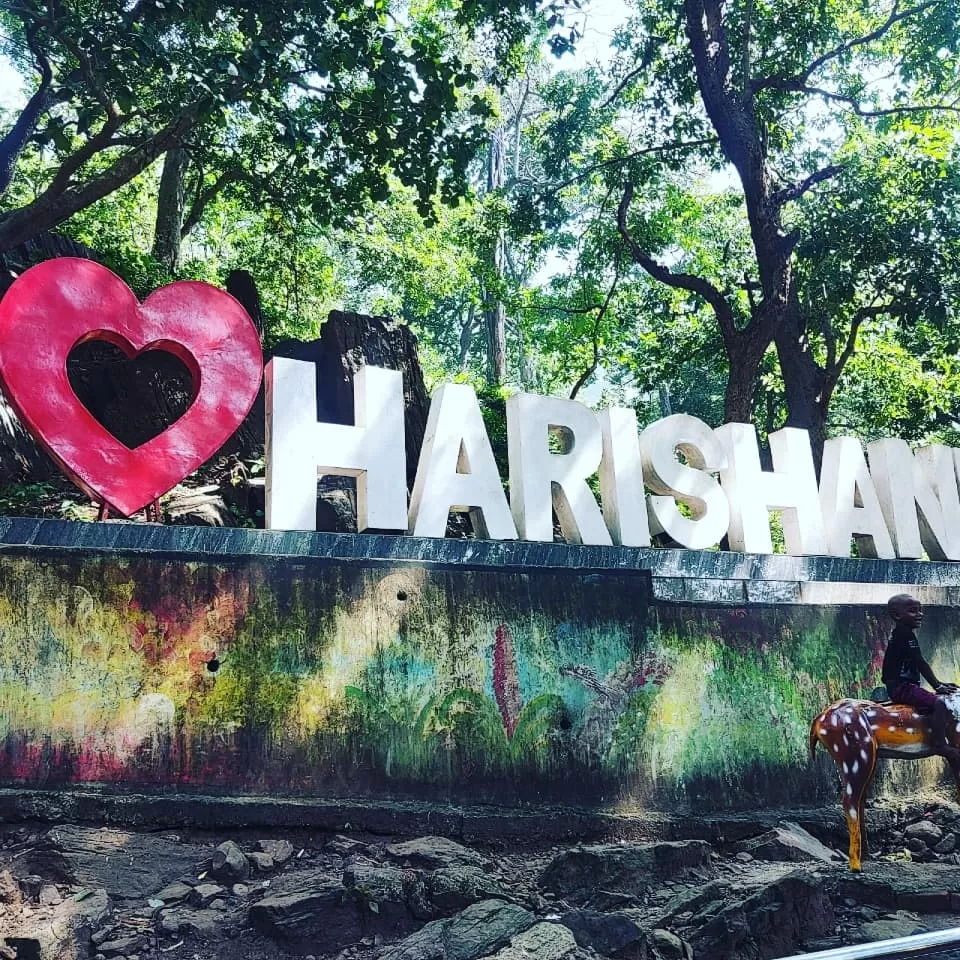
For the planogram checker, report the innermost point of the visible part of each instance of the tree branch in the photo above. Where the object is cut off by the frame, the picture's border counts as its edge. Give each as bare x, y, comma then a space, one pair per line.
467, 327
896, 15
518, 131
830, 339
851, 344
864, 313
645, 61
101, 140
797, 190
54, 206
795, 86
663, 148
203, 197
906, 109
567, 311
729, 112
680, 281
601, 313
111, 109
745, 65
13, 142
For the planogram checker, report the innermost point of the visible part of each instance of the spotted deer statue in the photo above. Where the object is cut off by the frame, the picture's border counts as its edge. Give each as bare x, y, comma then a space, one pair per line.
856, 733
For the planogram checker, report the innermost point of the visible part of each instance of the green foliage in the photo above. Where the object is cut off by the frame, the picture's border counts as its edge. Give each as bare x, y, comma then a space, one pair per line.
15, 498
462, 720
425, 273
493, 407
470, 719
540, 726
630, 730
328, 143
303, 106
56, 498
891, 389
850, 116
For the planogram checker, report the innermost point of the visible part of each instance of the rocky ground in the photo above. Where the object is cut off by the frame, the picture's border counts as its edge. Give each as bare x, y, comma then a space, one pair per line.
71, 891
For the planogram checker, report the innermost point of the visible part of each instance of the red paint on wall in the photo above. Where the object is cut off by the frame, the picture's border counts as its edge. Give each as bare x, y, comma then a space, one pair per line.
506, 685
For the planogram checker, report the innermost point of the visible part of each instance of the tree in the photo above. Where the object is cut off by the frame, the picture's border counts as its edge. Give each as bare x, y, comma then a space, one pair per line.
426, 274
459, 276
334, 95
169, 228
831, 119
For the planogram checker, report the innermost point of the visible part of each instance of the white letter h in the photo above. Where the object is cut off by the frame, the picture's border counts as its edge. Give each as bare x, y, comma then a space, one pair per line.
299, 448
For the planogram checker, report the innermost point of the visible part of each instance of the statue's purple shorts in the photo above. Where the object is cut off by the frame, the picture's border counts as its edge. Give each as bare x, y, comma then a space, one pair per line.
914, 695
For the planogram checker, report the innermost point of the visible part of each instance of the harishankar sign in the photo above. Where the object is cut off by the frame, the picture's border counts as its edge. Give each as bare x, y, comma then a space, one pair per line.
678, 476
905, 504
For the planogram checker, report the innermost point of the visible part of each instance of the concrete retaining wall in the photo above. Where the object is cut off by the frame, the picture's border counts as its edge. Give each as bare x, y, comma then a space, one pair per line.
254, 662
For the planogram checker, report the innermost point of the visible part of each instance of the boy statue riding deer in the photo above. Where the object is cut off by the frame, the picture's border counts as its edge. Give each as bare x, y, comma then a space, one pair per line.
914, 723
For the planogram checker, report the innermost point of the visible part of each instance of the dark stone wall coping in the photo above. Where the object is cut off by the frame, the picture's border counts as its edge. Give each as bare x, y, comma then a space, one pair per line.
38, 537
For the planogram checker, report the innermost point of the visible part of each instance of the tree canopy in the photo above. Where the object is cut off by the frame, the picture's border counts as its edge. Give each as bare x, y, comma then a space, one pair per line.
839, 124
749, 212
310, 103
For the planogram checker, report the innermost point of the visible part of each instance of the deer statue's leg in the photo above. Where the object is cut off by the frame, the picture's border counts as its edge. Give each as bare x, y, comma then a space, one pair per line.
845, 732
871, 760
853, 799
955, 771
857, 759
852, 817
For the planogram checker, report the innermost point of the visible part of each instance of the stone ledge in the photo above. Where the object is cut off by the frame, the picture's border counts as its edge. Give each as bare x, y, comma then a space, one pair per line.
709, 575
823, 593
470, 823
700, 590
836, 592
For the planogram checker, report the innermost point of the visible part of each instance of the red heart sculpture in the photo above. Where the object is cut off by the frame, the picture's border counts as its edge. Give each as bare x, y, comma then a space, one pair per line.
58, 304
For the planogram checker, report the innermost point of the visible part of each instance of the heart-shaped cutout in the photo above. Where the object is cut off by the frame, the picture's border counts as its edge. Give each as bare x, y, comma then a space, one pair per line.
134, 398
59, 304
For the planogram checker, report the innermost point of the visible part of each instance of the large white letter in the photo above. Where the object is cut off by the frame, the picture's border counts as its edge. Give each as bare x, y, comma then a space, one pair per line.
850, 504
457, 470
299, 448
687, 483
905, 491
540, 478
791, 487
939, 464
621, 479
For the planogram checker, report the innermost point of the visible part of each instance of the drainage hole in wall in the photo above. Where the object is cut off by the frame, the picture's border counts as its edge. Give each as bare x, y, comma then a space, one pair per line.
401, 594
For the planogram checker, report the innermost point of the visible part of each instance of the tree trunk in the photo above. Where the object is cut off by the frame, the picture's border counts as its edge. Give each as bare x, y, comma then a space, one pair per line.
804, 382
495, 313
466, 337
170, 209
496, 324
663, 397
241, 285
745, 354
738, 397
349, 341
733, 115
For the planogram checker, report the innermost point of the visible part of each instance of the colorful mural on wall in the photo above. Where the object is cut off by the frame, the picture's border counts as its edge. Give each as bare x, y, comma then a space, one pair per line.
336, 678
